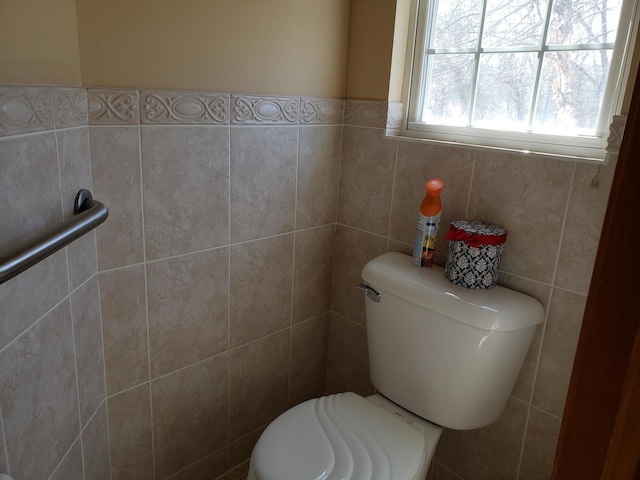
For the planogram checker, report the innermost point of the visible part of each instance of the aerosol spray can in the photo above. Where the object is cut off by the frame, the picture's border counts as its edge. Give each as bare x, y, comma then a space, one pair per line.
424, 248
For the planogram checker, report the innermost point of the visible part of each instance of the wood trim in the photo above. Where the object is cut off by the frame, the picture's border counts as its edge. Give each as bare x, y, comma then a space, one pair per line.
599, 436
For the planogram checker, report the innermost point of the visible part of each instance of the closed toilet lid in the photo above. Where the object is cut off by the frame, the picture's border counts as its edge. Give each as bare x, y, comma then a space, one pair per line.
339, 437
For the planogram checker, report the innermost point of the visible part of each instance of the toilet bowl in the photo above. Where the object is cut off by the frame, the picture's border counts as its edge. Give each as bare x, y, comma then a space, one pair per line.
345, 436
439, 355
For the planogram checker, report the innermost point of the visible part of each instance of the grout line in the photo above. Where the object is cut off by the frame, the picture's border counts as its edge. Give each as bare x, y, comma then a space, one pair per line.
146, 298
228, 419
4, 441
75, 364
360, 230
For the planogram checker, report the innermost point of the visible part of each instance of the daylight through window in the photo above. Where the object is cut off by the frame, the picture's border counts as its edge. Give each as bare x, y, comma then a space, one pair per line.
529, 66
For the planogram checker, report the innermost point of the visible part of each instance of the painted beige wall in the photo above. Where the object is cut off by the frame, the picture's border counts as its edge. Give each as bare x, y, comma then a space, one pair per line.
39, 42
370, 47
279, 47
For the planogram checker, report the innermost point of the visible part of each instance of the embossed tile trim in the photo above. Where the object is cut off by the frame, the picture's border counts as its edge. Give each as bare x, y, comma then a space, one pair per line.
318, 111
70, 107
113, 107
162, 107
394, 118
616, 132
25, 109
365, 113
254, 110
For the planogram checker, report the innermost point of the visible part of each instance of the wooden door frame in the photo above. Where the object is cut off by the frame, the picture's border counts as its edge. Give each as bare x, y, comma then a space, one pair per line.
600, 432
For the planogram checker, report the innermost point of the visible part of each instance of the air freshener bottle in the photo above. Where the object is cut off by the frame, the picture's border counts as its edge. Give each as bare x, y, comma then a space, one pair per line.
424, 248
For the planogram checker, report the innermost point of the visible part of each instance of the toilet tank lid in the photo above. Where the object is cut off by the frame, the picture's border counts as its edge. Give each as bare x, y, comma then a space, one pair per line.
497, 309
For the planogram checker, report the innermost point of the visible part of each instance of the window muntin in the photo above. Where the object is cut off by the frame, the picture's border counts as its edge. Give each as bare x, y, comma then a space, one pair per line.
523, 73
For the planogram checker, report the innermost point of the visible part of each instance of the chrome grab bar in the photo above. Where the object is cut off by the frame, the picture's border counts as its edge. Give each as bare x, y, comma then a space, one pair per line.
89, 213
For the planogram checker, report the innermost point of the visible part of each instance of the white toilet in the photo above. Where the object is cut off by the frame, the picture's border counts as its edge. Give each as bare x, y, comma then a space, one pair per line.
440, 356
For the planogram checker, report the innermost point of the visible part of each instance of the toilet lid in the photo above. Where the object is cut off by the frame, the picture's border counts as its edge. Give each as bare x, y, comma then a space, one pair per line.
339, 437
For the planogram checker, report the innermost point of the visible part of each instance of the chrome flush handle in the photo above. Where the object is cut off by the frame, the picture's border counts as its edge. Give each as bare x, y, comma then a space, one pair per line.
369, 292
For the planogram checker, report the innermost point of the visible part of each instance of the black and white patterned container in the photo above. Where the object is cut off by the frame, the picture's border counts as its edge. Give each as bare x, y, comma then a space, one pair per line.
475, 250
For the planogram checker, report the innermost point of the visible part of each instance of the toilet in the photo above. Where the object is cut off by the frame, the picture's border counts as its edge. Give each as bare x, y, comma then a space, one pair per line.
441, 356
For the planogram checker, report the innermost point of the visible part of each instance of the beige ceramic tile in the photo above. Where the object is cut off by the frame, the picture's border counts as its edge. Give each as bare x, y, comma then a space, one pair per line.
75, 165
188, 309
29, 188
353, 249
31, 294
539, 445
238, 473
82, 259
258, 373
523, 388
418, 163
251, 110
170, 107
25, 109
130, 434
263, 181
70, 107
241, 449
527, 196
111, 106
318, 174
261, 288
37, 378
441, 473
348, 352
317, 111
587, 207
309, 345
70, 466
124, 326
115, 160
185, 173
95, 447
87, 334
3, 458
189, 414
366, 179
558, 350
211, 466
313, 272
487, 453
365, 113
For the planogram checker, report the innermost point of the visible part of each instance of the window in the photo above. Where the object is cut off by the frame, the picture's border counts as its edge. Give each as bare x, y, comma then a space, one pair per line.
535, 75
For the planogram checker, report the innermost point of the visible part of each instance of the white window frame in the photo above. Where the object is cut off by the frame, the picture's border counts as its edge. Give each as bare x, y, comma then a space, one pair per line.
573, 147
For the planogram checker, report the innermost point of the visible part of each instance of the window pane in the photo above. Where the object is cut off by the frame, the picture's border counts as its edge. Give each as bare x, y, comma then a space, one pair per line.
448, 89
570, 92
510, 23
584, 21
457, 24
505, 90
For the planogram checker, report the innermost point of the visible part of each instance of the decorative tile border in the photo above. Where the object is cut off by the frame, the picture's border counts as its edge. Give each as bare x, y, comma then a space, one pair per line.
159, 107
25, 109
365, 113
254, 110
395, 112
319, 111
616, 131
70, 107
113, 107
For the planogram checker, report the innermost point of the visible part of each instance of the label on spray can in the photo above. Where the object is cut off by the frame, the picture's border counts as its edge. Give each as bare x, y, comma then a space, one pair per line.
424, 247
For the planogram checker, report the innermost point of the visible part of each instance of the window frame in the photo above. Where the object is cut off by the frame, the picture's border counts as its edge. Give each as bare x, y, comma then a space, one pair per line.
573, 147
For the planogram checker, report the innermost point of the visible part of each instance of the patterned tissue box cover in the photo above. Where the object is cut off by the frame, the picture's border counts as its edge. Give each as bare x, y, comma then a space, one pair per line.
474, 253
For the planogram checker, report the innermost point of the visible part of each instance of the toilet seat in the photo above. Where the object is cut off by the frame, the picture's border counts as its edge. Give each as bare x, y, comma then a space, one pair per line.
345, 437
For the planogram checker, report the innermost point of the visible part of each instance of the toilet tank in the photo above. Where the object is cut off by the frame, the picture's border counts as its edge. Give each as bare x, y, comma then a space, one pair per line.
449, 354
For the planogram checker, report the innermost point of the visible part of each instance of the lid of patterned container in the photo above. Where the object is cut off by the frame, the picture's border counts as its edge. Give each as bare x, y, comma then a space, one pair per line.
477, 233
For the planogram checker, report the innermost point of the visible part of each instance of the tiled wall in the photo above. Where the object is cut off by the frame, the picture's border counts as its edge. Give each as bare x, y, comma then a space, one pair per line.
214, 269
52, 396
553, 210
226, 287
